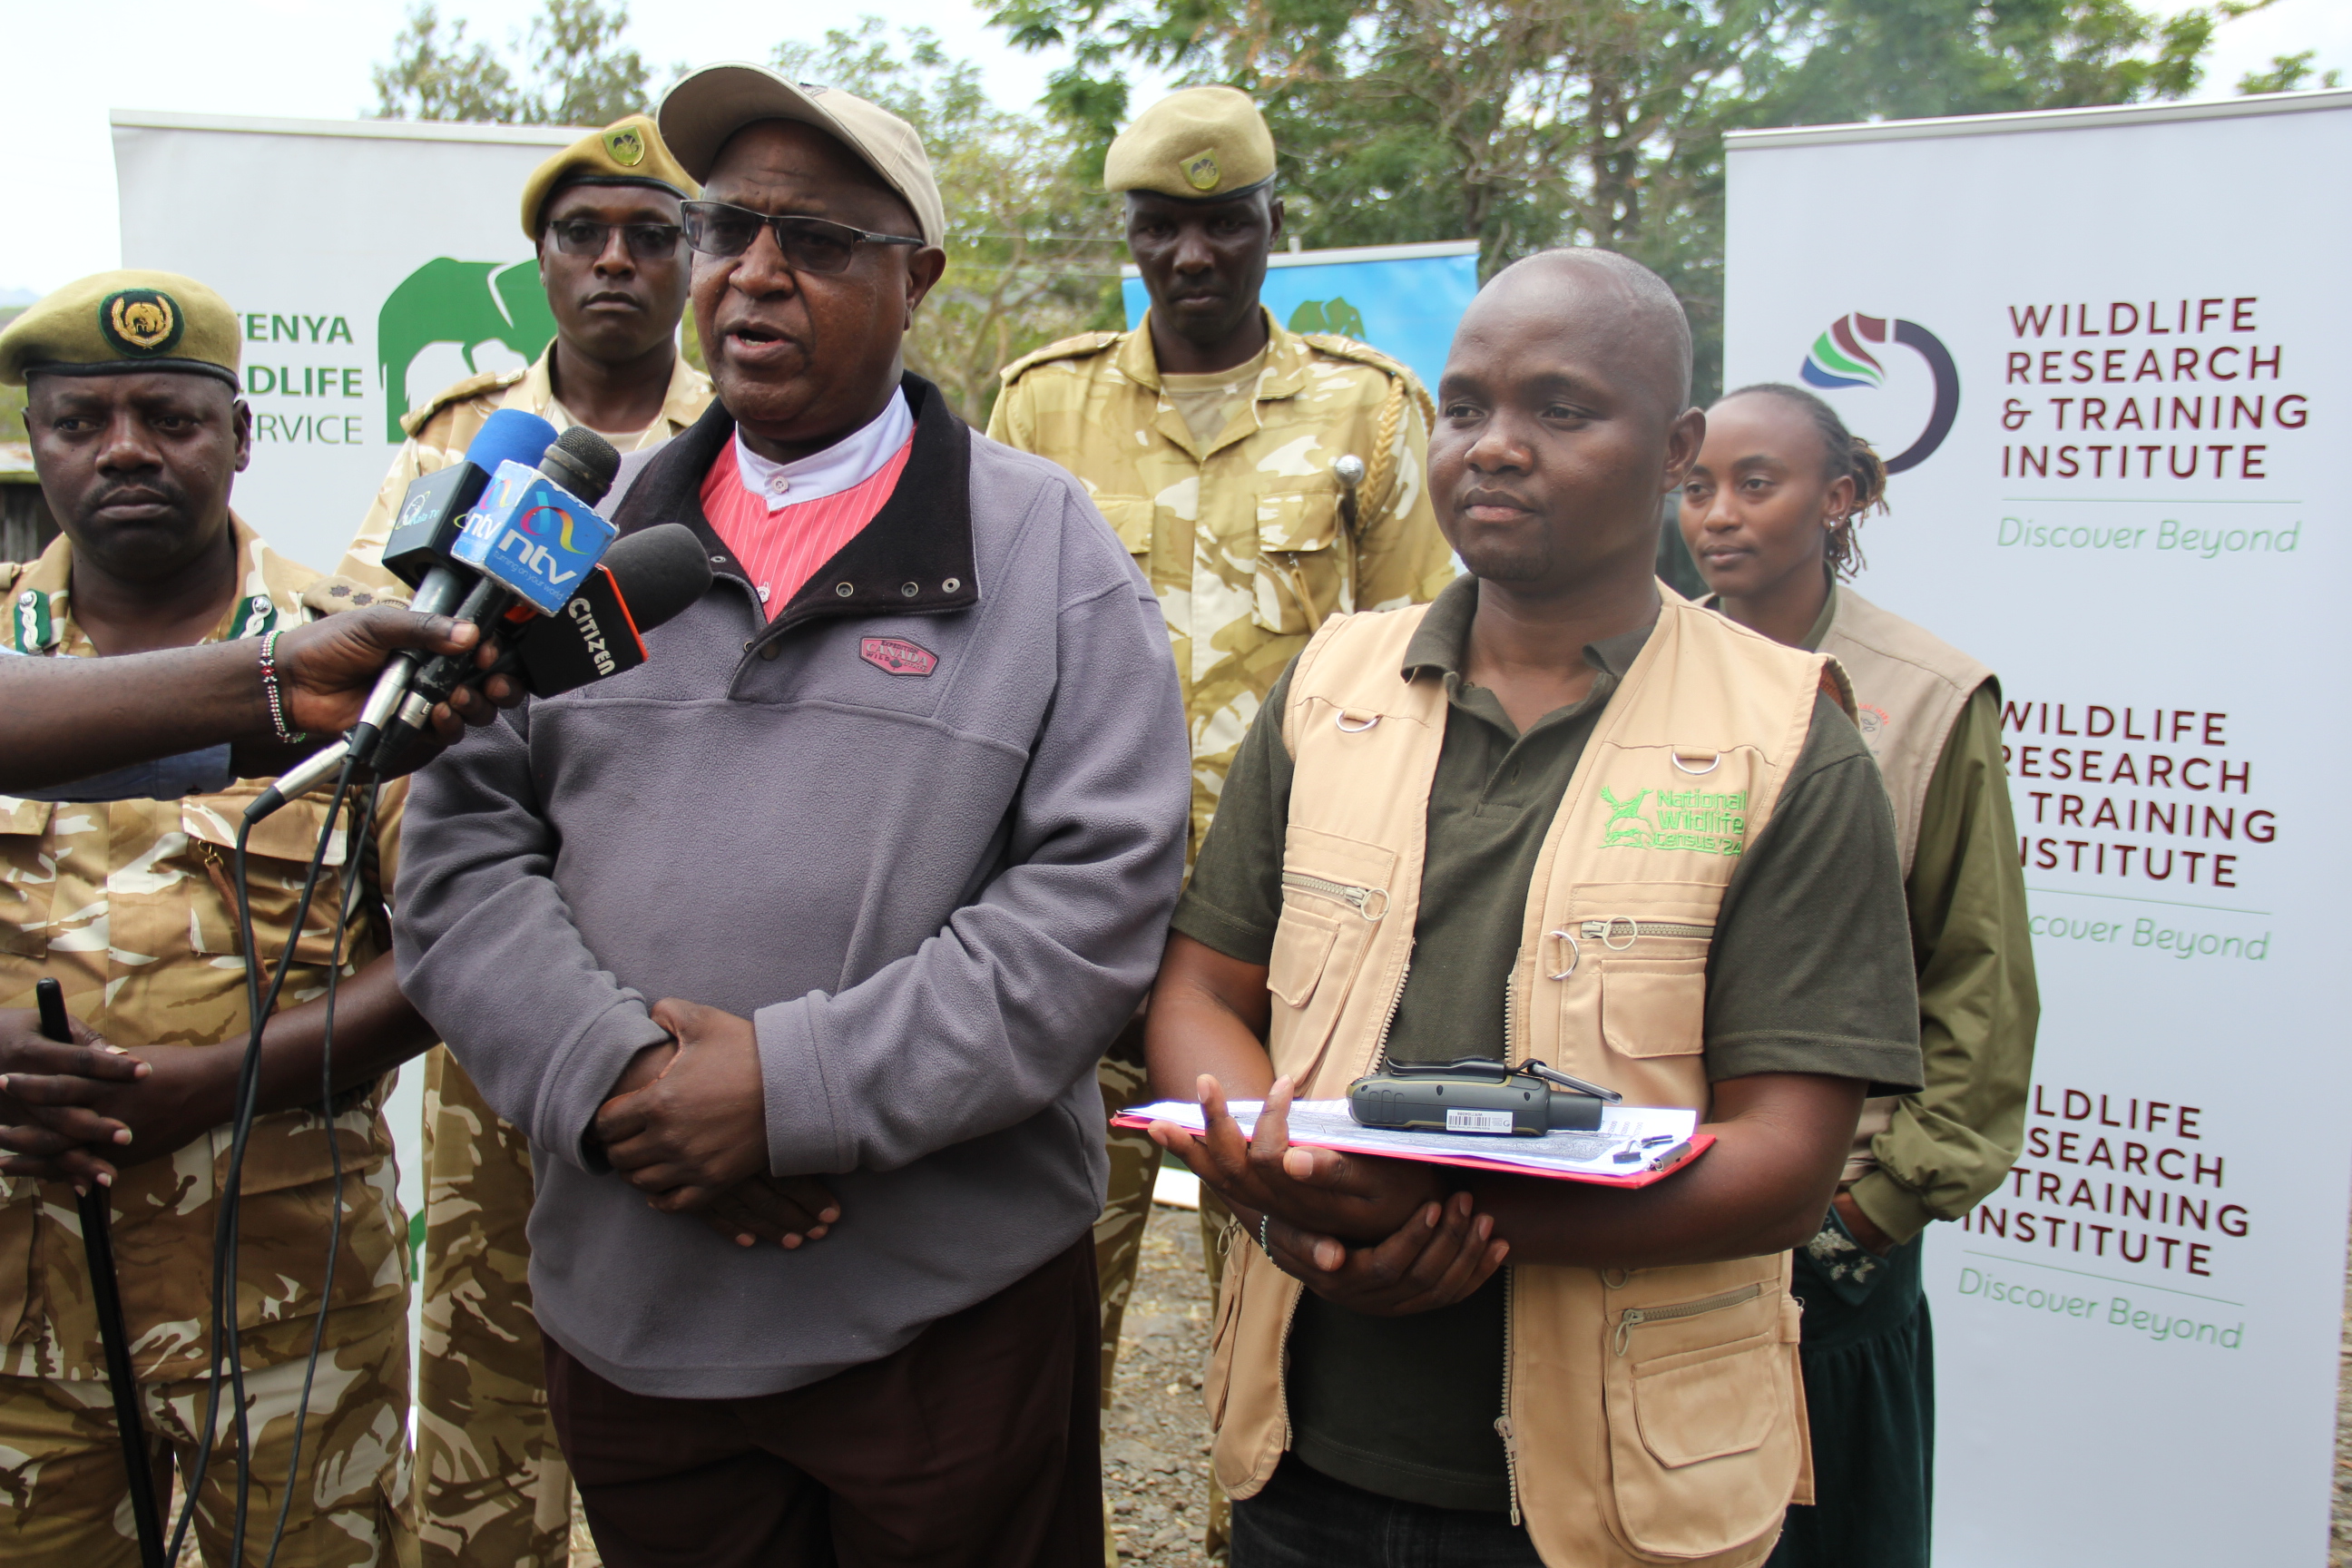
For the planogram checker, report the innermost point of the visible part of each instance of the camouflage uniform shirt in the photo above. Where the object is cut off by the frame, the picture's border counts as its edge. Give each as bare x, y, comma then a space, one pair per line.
129, 904
1243, 537
439, 432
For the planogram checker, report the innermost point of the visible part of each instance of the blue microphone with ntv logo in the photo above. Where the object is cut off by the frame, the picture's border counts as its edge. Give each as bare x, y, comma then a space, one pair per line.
533, 535
525, 546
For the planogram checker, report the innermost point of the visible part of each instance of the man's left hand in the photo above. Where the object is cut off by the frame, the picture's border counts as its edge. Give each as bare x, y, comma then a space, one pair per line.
183, 1092
1441, 1256
699, 1128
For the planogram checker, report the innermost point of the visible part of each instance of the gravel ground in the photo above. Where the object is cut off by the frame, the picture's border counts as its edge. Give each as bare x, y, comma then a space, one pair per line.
1155, 1436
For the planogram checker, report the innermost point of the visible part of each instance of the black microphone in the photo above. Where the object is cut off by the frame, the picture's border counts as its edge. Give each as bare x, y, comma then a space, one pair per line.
644, 580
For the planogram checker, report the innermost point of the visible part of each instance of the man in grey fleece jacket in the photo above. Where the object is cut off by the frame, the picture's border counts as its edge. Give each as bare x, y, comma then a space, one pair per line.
889, 867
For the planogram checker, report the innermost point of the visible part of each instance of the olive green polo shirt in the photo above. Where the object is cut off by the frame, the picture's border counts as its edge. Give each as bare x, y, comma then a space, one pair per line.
1979, 1002
1809, 970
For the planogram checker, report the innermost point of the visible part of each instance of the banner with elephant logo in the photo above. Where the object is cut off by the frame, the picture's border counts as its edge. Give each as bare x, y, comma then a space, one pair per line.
371, 263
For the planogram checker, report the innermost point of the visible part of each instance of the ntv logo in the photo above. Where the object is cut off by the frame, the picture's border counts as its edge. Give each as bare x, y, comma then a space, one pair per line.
1838, 360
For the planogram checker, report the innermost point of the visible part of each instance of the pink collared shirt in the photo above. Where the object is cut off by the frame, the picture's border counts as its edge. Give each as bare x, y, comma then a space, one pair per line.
780, 549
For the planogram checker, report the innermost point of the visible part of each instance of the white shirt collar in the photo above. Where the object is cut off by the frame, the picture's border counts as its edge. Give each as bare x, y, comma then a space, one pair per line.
846, 464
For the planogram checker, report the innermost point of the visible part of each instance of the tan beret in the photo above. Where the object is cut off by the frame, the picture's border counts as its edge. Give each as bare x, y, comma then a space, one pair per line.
1199, 144
119, 322
629, 151
710, 105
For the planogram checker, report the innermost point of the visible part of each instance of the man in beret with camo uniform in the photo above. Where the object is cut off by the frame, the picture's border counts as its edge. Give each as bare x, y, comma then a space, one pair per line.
122, 890
1262, 480
603, 212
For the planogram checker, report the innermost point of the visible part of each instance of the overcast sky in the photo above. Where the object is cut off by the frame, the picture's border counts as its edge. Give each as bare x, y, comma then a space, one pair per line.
71, 62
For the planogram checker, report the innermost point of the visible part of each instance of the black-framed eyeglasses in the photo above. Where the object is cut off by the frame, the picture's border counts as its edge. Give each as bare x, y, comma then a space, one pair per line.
586, 236
809, 243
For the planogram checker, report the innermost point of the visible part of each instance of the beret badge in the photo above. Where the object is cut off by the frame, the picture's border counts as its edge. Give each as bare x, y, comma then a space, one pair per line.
626, 143
141, 323
1201, 172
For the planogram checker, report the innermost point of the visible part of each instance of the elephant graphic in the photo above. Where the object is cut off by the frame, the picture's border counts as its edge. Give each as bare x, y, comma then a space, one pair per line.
467, 305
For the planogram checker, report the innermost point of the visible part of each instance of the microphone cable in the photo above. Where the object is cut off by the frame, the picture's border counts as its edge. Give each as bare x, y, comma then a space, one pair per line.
355, 886
259, 1005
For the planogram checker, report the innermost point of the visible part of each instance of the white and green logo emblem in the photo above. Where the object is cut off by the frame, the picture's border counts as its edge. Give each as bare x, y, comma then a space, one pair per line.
1705, 822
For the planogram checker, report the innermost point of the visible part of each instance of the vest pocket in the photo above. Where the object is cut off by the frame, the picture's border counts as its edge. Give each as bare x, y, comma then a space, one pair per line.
1652, 1006
1703, 1445
1301, 580
1334, 898
1217, 1380
1302, 947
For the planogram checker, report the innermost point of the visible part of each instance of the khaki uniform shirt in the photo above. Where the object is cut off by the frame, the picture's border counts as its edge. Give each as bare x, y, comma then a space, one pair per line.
129, 905
1243, 537
439, 432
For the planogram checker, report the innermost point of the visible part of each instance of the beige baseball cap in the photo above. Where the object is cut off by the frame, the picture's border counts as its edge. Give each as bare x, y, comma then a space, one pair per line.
711, 104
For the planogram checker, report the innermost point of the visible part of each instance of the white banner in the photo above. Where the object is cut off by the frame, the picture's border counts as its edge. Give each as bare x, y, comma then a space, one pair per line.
2106, 346
371, 264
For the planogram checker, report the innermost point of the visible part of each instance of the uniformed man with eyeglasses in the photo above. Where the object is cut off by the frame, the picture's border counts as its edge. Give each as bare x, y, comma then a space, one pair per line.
491, 1486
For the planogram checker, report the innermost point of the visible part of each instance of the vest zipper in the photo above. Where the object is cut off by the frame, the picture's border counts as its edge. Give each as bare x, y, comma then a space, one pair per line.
1633, 1318
1503, 1422
1361, 899
1282, 1371
1602, 931
1380, 1046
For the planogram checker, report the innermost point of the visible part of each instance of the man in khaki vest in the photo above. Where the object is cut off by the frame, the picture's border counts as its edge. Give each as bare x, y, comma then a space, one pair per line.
604, 215
1261, 479
1611, 832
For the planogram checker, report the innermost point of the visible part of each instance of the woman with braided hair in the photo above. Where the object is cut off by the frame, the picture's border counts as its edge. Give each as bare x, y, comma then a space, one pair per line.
1770, 512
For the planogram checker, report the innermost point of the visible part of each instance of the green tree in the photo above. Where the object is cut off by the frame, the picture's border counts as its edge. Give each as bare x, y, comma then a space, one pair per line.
571, 70
1531, 123
1033, 249
2288, 73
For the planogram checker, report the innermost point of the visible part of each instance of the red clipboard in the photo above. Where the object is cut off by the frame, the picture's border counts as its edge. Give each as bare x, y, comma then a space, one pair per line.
1656, 1170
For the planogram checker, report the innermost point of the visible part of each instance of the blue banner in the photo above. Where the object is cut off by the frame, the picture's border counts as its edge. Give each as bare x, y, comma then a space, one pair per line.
1403, 300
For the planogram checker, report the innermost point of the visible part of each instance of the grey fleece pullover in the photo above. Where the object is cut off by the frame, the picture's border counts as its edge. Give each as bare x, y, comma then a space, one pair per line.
925, 828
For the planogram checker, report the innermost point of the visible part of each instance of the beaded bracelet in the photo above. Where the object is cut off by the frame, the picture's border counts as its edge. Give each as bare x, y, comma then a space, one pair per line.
269, 689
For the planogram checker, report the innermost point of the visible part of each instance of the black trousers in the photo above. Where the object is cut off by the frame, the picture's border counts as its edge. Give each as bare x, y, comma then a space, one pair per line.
1304, 1519
974, 1447
1870, 1388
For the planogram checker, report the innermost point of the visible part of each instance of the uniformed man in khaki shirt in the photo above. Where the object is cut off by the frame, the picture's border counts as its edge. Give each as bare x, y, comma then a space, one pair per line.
603, 212
123, 888
1262, 480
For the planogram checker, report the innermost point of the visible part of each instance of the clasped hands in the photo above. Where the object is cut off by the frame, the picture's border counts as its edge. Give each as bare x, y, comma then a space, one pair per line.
686, 1125
1384, 1237
77, 1112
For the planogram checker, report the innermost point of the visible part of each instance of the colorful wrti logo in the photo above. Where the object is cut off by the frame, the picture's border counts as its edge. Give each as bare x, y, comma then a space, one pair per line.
1839, 360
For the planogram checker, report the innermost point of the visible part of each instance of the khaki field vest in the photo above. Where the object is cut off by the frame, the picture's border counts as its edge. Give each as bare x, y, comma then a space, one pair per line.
1651, 1416
1908, 690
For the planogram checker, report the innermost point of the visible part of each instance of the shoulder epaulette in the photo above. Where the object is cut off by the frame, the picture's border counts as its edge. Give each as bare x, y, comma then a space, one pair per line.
1338, 347
472, 386
1086, 346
